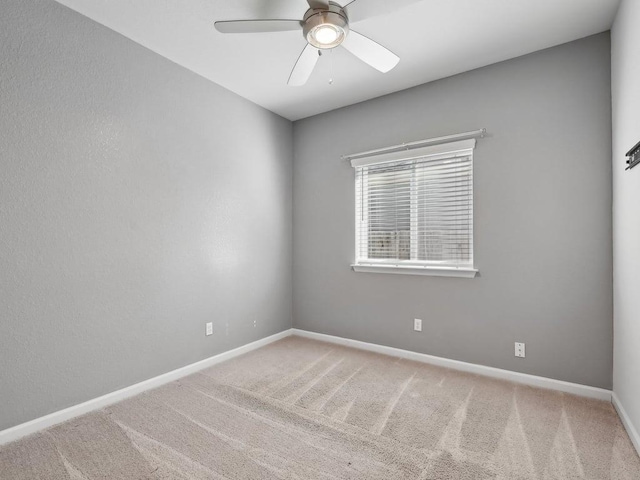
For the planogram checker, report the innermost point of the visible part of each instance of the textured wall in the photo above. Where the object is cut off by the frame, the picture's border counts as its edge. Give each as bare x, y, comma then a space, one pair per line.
626, 208
542, 218
137, 202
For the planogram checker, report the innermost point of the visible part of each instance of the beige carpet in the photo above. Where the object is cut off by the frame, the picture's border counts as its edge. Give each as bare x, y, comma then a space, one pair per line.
300, 409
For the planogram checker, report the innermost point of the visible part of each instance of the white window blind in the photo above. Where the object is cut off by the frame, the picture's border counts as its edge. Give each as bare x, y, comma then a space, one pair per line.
415, 208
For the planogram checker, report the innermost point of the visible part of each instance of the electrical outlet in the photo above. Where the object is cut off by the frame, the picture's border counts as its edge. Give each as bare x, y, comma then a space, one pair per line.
417, 324
209, 330
255, 323
519, 349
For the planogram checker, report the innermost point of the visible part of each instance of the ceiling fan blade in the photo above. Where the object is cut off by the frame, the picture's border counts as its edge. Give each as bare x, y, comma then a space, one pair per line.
257, 26
370, 52
361, 9
304, 66
318, 4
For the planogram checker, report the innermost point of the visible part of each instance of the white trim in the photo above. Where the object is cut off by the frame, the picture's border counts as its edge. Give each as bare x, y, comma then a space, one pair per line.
416, 270
524, 378
32, 426
27, 428
420, 143
433, 152
626, 421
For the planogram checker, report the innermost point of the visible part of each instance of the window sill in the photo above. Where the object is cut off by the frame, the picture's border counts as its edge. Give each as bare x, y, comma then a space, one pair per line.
415, 270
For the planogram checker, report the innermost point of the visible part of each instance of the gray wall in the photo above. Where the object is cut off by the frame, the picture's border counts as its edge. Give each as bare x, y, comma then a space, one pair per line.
542, 219
137, 202
626, 209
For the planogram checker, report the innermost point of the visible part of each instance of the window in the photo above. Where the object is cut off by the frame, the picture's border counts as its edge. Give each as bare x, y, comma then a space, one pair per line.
414, 211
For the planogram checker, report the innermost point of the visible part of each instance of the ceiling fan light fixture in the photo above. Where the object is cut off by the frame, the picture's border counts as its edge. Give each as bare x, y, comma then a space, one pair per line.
325, 25
326, 36
325, 29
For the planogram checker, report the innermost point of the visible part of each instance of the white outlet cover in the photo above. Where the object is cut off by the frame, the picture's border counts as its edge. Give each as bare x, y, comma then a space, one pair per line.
520, 352
209, 330
417, 324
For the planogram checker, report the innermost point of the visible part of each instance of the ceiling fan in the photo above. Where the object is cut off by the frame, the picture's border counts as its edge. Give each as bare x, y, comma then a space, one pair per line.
325, 25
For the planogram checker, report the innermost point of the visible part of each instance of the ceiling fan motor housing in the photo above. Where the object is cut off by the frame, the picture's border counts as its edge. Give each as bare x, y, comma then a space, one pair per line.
325, 28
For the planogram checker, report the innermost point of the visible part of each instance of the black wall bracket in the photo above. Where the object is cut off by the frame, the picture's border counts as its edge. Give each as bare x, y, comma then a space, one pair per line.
633, 157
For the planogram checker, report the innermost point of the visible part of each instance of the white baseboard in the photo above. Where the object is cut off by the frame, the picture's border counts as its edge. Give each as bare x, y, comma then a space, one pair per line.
626, 421
524, 378
27, 428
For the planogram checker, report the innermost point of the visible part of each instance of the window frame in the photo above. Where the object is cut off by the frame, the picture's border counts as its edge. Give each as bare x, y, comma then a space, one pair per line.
415, 267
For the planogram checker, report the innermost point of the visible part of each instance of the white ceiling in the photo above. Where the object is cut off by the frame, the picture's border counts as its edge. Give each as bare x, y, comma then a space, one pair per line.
434, 39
